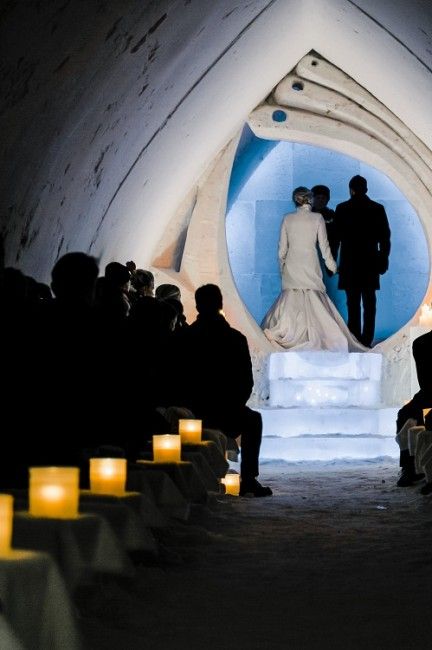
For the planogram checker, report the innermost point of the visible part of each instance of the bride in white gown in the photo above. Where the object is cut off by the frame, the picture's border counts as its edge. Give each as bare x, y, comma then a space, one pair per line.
303, 317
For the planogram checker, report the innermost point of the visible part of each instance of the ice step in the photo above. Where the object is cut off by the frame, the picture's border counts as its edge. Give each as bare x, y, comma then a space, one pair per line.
310, 448
325, 365
325, 392
288, 422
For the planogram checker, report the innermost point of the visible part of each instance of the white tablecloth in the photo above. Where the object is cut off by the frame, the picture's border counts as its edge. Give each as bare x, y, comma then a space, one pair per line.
35, 604
130, 529
157, 485
185, 476
205, 472
82, 547
143, 504
8, 639
213, 455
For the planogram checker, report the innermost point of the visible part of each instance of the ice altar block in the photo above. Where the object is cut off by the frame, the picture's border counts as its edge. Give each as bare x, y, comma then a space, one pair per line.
325, 405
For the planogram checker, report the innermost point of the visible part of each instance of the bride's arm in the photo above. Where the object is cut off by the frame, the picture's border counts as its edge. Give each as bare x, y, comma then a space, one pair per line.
324, 246
283, 245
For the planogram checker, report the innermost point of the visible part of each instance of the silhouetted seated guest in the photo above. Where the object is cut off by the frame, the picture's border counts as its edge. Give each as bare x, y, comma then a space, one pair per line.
215, 381
412, 413
152, 318
180, 321
13, 290
111, 297
171, 293
15, 311
37, 291
149, 361
423, 454
420, 446
44, 292
16, 387
53, 406
142, 284
165, 291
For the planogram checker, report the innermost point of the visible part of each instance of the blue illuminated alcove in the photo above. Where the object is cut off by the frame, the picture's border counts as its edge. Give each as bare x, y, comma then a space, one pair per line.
263, 176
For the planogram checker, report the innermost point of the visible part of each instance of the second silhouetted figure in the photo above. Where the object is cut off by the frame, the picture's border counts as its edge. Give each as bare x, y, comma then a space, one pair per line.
363, 235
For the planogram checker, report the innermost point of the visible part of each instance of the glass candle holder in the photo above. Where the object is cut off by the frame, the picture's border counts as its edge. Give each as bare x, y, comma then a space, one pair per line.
54, 492
6, 519
108, 475
190, 431
166, 448
232, 484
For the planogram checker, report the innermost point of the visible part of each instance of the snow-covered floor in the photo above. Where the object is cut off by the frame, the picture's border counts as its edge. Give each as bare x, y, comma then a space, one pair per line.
337, 558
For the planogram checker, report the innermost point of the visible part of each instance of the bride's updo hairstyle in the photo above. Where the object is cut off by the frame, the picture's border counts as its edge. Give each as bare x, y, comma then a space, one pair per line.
302, 196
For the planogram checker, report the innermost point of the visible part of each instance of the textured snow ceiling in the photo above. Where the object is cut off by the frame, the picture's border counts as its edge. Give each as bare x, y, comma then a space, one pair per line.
111, 111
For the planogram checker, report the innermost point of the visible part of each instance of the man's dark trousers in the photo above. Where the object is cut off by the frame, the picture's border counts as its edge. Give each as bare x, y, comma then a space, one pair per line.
355, 297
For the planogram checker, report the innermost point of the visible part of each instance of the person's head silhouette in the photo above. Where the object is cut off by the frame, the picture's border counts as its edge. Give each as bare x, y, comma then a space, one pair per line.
143, 282
321, 196
208, 300
358, 186
117, 275
74, 277
164, 291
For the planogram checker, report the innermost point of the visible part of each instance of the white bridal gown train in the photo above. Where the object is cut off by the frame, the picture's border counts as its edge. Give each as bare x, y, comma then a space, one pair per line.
303, 317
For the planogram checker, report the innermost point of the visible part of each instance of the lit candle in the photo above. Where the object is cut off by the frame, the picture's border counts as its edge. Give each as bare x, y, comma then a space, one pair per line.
54, 492
6, 518
425, 319
166, 448
108, 475
232, 484
190, 431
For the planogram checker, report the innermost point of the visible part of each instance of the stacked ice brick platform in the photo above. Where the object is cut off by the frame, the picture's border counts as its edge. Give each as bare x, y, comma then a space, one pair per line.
326, 405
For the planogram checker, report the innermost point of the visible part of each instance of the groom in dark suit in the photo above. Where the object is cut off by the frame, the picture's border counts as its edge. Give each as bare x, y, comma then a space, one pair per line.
363, 235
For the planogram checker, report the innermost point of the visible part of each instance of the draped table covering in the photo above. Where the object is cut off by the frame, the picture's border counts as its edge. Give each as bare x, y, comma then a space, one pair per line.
83, 547
211, 453
8, 638
129, 528
157, 485
185, 477
37, 613
144, 505
204, 471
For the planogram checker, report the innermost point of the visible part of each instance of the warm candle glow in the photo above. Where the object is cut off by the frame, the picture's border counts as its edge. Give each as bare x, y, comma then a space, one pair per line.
6, 518
425, 318
190, 431
232, 484
166, 448
54, 492
108, 476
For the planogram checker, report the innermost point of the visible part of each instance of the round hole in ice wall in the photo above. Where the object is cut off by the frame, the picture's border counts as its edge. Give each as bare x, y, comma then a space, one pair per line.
262, 179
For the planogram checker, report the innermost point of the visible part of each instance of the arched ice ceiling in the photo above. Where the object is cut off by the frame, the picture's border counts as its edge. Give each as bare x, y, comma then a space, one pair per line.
111, 112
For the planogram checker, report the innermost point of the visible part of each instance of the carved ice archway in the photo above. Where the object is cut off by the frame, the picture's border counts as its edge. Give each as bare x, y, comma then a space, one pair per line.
317, 104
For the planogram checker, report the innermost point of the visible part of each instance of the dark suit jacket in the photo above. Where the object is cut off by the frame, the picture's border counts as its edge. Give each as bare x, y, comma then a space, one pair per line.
214, 368
422, 353
363, 235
